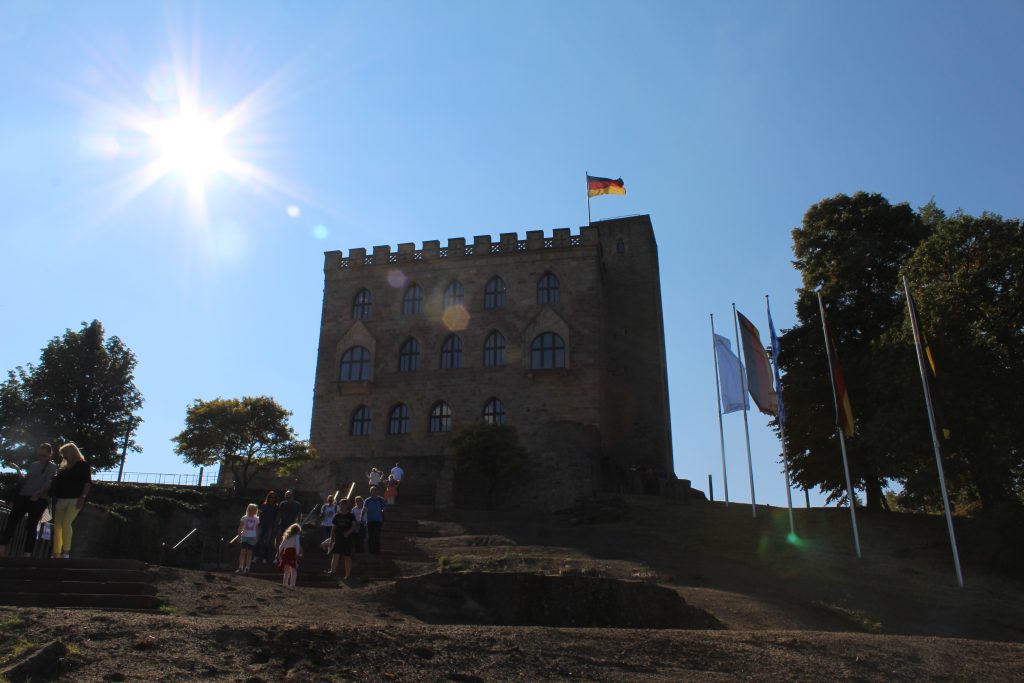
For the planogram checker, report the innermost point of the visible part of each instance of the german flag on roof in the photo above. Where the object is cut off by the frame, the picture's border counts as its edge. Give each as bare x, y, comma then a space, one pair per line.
596, 186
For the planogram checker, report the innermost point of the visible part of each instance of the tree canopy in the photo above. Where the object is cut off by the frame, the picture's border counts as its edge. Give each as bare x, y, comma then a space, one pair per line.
82, 390
490, 454
248, 436
967, 274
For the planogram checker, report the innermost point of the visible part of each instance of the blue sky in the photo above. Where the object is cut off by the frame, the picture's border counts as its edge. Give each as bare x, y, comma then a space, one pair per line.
391, 122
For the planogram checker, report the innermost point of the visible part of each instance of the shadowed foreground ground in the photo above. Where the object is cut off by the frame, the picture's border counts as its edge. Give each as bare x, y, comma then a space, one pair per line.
790, 612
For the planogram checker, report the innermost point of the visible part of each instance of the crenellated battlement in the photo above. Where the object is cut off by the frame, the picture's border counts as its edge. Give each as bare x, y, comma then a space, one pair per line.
457, 247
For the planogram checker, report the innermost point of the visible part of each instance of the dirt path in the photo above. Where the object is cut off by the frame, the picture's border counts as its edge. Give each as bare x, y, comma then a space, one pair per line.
345, 645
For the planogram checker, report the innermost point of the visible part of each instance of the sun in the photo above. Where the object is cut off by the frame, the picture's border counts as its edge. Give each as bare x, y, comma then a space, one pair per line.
192, 145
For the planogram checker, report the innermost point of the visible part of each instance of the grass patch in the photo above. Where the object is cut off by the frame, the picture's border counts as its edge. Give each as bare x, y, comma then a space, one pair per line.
452, 563
168, 609
11, 622
859, 618
18, 650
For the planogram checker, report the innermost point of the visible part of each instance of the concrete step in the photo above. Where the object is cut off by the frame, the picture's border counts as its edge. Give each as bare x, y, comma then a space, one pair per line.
67, 574
81, 587
92, 600
73, 563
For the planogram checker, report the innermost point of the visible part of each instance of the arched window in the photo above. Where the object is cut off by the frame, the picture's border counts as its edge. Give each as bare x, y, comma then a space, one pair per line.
547, 289
451, 352
412, 300
454, 295
360, 422
494, 412
409, 356
494, 350
362, 305
355, 365
440, 418
547, 351
495, 293
620, 246
398, 420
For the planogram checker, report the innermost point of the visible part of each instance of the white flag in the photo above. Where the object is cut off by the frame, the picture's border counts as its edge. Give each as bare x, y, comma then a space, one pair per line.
730, 377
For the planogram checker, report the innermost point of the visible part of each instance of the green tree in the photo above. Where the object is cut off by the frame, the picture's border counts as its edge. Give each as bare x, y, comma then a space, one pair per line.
82, 390
248, 436
968, 278
851, 249
491, 454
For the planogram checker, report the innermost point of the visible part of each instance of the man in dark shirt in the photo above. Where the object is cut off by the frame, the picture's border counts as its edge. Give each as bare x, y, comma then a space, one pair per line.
289, 511
31, 500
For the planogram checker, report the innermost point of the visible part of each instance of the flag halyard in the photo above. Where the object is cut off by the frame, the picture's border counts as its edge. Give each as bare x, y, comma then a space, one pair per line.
844, 411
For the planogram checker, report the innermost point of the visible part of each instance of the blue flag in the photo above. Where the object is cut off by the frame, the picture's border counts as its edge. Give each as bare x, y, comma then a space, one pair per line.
775, 366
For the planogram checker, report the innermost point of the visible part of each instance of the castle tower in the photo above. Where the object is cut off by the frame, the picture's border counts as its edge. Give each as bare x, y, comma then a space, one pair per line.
560, 336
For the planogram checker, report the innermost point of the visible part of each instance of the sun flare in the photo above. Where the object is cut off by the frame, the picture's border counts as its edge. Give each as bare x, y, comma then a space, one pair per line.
191, 145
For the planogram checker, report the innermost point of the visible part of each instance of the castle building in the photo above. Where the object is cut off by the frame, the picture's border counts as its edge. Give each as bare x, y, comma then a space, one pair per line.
560, 336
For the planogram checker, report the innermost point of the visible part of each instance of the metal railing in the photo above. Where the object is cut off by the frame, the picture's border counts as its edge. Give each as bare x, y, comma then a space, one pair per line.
202, 478
43, 531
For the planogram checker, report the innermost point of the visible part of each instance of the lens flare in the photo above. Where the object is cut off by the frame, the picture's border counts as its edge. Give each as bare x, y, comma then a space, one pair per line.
320, 232
456, 318
397, 278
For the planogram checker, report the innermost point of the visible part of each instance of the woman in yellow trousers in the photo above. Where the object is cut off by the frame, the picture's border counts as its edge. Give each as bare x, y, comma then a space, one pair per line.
70, 487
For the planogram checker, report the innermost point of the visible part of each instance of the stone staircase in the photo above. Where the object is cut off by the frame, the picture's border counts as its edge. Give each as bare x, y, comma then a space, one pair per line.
399, 554
77, 582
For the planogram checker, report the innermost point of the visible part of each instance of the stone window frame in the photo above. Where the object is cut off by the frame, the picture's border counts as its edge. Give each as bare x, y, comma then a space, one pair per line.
620, 246
454, 295
356, 365
362, 305
495, 293
549, 289
451, 352
440, 421
550, 349
409, 355
494, 353
412, 300
361, 421
494, 412
398, 419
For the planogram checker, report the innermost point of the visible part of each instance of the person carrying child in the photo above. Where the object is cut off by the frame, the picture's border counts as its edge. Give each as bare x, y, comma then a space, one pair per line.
248, 536
327, 513
288, 554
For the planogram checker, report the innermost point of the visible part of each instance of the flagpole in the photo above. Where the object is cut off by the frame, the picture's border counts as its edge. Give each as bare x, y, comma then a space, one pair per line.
839, 429
743, 395
915, 326
782, 426
718, 409
586, 181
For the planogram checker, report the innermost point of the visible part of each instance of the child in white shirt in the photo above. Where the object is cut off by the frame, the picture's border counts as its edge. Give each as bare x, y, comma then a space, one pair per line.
248, 535
288, 554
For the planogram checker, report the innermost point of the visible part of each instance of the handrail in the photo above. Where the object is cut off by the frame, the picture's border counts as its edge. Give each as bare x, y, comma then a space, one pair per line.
187, 536
310, 515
